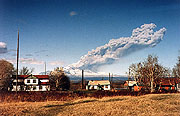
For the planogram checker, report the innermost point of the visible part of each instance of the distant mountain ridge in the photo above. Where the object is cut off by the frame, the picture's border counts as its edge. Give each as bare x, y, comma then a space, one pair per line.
87, 73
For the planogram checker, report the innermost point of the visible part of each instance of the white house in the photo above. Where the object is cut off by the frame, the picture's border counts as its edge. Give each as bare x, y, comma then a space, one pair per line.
31, 83
98, 85
130, 83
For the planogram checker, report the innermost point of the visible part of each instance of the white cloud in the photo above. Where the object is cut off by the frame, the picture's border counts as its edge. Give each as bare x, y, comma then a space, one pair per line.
73, 13
142, 37
3, 47
56, 63
30, 61
26, 61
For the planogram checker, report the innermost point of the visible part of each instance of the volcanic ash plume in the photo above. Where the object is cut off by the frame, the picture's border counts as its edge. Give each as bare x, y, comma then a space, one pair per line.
142, 37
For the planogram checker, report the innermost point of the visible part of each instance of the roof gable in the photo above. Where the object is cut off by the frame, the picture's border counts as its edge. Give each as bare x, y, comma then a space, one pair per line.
31, 77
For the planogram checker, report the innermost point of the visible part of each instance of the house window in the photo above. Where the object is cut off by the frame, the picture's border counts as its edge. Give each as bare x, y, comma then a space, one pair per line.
27, 87
34, 81
34, 87
28, 81
106, 86
40, 87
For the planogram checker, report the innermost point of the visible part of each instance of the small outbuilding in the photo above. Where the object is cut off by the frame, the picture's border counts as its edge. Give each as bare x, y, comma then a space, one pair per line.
168, 84
129, 84
98, 85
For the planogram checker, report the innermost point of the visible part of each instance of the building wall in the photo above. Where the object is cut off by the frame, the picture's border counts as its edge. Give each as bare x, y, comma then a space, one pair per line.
14, 88
45, 88
178, 87
93, 87
31, 88
30, 85
105, 87
31, 81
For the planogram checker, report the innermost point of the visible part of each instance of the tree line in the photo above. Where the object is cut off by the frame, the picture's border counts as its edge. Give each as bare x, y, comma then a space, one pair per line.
145, 72
148, 71
58, 80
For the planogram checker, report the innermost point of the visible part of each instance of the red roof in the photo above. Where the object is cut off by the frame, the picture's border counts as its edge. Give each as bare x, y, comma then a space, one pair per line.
38, 76
168, 81
41, 76
44, 83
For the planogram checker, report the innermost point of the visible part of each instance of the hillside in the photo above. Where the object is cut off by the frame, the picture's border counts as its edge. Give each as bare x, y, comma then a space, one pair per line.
152, 104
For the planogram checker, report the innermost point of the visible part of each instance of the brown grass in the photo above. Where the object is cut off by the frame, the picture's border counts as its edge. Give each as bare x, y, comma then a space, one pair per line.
25, 96
149, 105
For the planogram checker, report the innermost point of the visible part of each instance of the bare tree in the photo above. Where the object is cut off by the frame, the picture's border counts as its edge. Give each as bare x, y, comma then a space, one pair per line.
148, 71
59, 80
26, 71
6, 71
176, 69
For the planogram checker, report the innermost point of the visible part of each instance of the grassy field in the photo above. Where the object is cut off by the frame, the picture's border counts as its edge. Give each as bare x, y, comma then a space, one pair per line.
149, 105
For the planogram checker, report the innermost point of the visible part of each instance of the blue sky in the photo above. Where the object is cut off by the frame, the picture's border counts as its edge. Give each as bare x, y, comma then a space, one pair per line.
61, 31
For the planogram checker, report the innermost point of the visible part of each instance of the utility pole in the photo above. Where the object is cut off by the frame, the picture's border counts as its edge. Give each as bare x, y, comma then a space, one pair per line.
17, 61
129, 74
45, 67
109, 78
82, 79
